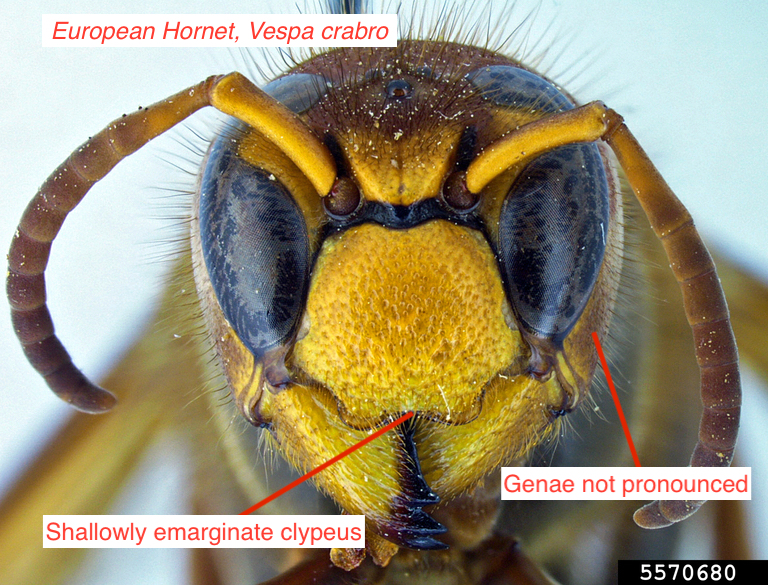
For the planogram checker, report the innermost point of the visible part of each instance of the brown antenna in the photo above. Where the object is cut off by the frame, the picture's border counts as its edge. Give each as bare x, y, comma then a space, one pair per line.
703, 296
232, 94
705, 308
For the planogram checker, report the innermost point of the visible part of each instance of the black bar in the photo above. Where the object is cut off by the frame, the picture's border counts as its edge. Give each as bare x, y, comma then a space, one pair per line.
692, 572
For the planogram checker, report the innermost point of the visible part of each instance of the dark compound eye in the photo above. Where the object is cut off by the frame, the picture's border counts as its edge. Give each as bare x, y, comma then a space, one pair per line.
552, 230
256, 249
553, 222
517, 88
298, 91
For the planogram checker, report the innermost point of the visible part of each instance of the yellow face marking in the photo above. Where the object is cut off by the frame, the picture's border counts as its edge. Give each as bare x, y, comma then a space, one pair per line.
264, 154
309, 432
400, 169
235, 95
407, 320
516, 416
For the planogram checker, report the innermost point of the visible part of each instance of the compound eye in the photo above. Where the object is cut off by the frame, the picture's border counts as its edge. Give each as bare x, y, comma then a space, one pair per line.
519, 89
256, 249
298, 91
552, 230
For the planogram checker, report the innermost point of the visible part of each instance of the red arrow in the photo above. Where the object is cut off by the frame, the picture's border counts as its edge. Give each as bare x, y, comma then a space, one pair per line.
616, 400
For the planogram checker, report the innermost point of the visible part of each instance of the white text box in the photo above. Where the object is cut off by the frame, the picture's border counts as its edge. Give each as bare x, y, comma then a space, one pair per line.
268, 531
219, 30
626, 483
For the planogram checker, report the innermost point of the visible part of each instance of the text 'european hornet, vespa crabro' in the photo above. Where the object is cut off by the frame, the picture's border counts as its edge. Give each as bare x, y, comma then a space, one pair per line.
435, 228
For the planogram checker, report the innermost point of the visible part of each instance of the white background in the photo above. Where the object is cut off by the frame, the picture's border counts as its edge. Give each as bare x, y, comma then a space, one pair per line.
689, 77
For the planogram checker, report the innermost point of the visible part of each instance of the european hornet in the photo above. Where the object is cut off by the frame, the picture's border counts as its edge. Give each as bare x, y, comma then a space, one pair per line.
393, 189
